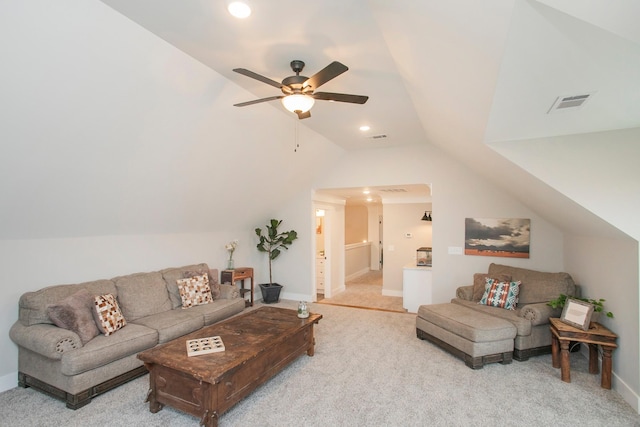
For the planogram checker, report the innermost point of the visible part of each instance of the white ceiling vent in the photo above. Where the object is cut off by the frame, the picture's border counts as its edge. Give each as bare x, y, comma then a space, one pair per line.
568, 103
378, 137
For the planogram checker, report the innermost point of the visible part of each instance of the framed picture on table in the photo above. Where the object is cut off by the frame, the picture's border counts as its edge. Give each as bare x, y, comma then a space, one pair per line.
577, 313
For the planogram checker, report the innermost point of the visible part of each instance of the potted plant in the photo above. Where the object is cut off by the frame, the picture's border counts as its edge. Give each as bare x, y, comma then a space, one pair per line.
598, 306
273, 242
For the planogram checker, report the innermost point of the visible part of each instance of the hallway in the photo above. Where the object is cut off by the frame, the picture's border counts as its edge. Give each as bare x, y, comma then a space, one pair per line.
366, 292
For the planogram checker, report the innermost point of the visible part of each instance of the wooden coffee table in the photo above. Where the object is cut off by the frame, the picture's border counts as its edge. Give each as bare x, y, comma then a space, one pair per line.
258, 345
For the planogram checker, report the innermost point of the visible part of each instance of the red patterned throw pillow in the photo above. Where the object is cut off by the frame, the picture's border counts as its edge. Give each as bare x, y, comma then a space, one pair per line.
195, 291
107, 314
501, 294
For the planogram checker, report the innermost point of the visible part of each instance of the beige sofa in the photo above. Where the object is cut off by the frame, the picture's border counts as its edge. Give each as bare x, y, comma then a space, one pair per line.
56, 361
438, 323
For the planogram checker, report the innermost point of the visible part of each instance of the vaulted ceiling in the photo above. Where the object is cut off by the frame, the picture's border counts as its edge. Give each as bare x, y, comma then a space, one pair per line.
507, 60
100, 111
463, 75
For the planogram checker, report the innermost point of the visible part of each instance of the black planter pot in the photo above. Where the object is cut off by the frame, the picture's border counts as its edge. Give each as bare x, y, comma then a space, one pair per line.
270, 292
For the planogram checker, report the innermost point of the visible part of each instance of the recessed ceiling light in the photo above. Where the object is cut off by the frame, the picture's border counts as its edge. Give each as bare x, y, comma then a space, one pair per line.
369, 199
366, 192
364, 128
239, 9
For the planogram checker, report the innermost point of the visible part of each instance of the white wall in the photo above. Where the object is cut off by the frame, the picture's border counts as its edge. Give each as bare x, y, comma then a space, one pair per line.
599, 172
357, 260
356, 221
457, 193
401, 219
606, 268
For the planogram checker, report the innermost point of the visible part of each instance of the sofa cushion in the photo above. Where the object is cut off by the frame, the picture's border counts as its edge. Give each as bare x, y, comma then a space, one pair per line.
172, 275
219, 309
195, 291
536, 286
33, 305
523, 326
142, 294
173, 324
105, 349
75, 314
480, 280
500, 294
107, 314
469, 324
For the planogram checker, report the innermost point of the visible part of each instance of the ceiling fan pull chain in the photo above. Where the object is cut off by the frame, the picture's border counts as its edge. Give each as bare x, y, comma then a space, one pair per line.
295, 136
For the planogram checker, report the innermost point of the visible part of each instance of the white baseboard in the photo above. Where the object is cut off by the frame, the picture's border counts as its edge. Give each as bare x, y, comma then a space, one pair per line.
617, 384
388, 293
9, 381
294, 297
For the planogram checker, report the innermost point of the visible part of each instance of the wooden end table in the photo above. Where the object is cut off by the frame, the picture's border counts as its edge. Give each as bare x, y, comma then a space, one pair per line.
562, 334
239, 275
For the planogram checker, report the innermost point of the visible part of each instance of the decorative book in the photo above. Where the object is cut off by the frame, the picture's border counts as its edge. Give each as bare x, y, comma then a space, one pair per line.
204, 346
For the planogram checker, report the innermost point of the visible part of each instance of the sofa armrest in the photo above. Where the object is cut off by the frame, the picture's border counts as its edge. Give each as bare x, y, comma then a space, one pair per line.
539, 313
465, 292
47, 340
228, 291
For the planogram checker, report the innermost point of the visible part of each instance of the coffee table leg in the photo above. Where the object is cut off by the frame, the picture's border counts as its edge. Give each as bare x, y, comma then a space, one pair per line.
154, 405
209, 419
565, 365
312, 342
606, 367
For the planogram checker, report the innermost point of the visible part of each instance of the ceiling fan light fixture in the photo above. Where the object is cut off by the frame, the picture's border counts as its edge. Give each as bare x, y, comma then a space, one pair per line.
239, 9
298, 103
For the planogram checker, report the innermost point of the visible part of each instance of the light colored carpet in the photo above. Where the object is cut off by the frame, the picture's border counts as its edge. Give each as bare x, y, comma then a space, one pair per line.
369, 369
366, 291
372, 277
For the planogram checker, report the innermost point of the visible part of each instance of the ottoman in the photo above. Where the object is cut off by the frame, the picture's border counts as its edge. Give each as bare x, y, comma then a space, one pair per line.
475, 337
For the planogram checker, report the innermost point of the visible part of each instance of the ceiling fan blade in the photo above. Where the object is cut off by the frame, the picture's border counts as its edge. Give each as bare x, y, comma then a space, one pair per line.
258, 77
340, 97
329, 72
304, 115
257, 101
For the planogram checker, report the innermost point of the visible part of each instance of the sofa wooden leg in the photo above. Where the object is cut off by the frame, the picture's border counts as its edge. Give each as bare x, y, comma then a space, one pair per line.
22, 381
76, 401
474, 362
507, 358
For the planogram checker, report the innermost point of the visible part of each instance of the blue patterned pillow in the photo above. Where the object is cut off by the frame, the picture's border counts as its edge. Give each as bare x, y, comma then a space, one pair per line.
500, 294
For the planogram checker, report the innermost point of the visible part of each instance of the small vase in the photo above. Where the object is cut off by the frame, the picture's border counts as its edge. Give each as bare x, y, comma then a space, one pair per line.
303, 310
230, 265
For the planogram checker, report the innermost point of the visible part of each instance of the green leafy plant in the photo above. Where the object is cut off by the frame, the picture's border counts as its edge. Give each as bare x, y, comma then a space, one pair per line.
598, 305
273, 242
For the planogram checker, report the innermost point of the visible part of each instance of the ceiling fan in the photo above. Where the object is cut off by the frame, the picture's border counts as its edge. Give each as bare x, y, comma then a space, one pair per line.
299, 91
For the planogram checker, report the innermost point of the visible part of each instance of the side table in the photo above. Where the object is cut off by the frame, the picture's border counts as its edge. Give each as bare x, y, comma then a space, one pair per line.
562, 334
240, 274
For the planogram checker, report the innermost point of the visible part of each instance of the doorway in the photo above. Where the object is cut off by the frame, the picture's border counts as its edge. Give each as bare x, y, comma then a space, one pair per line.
344, 245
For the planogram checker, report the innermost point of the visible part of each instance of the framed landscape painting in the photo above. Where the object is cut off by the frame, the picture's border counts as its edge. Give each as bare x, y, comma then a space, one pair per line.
507, 237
